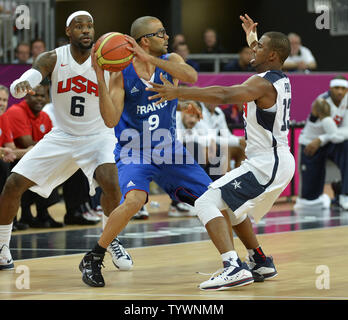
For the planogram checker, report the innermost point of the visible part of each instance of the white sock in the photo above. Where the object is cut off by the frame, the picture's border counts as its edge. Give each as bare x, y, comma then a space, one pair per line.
231, 257
251, 253
105, 220
5, 234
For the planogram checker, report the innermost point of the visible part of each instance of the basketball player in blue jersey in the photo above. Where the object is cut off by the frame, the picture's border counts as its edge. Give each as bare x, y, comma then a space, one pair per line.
147, 130
253, 187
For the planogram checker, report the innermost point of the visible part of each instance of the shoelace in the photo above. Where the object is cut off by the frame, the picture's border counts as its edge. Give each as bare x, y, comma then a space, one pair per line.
97, 266
117, 248
212, 275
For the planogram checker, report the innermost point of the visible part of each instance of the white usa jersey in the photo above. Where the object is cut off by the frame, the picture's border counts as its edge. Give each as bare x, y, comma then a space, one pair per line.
314, 128
266, 129
74, 93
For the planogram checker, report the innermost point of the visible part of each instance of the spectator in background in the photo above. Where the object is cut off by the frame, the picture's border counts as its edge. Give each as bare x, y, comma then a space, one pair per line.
182, 50
214, 118
8, 150
211, 42
22, 53
234, 115
324, 136
211, 45
242, 63
300, 58
62, 41
37, 47
178, 38
29, 125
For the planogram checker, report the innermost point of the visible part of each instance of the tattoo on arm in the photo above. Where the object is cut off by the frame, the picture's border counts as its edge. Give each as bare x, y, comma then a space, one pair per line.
45, 63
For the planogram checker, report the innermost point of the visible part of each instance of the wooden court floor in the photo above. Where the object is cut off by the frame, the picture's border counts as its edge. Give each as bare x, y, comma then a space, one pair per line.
169, 272
311, 265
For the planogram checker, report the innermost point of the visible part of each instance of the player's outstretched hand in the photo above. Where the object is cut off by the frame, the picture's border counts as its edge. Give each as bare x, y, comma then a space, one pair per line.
165, 91
136, 49
24, 87
249, 26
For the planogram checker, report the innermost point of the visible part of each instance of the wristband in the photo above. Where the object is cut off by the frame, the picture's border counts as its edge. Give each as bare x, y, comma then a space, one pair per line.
251, 38
34, 78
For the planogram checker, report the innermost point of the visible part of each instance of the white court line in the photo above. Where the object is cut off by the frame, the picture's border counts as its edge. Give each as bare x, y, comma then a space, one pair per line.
45, 249
174, 244
218, 295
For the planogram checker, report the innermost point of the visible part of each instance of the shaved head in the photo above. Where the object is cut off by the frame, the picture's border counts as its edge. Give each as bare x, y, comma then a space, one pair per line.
142, 26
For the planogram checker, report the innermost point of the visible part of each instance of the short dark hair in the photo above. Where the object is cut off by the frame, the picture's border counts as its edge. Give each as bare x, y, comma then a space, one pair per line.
22, 44
37, 40
3, 88
280, 43
340, 77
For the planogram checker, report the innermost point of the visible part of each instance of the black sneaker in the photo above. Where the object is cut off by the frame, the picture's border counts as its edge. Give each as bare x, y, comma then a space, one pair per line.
257, 277
48, 222
90, 266
80, 219
18, 225
266, 269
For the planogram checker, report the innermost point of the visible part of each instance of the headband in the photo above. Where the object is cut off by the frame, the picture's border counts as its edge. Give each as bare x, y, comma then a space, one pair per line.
75, 14
338, 83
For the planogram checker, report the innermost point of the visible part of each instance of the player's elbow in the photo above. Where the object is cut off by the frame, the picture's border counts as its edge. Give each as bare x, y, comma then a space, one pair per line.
191, 76
110, 124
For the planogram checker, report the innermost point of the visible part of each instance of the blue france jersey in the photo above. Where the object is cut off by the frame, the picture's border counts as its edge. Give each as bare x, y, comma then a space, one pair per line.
143, 122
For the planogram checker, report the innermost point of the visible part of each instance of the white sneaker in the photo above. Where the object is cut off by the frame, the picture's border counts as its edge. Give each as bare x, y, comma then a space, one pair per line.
343, 200
91, 217
142, 214
97, 212
326, 201
120, 257
323, 202
6, 262
181, 209
227, 278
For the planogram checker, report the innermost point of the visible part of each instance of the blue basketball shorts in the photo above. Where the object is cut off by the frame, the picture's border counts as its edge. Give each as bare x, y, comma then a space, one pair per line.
184, 182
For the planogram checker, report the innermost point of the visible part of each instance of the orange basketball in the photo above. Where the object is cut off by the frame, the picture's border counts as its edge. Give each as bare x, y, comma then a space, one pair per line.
112, 52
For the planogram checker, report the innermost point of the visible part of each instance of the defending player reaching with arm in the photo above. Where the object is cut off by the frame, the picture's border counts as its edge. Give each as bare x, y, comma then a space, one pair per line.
252, 188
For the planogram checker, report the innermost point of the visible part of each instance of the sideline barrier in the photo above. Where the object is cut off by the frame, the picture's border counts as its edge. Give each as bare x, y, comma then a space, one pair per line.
305, 88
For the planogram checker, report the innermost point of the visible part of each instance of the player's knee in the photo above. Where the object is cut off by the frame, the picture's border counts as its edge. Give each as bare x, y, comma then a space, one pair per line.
206, 206
111, 190
134, 201
15, 186
235, 221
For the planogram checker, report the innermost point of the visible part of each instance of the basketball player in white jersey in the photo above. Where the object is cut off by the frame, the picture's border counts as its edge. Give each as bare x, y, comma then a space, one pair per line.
324, 136
253, 187
79, 140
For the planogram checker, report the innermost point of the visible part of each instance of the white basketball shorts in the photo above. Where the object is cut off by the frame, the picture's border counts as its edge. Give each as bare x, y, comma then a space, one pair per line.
255, 185
59, 155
